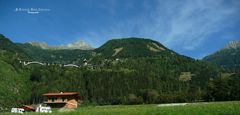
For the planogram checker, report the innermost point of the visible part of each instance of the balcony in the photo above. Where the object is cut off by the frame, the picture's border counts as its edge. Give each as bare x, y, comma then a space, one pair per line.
58, 100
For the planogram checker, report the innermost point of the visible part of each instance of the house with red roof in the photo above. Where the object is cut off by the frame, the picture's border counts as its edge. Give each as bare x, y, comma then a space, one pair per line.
62, 99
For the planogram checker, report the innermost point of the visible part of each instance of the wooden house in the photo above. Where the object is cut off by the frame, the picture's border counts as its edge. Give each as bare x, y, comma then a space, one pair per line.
62, 99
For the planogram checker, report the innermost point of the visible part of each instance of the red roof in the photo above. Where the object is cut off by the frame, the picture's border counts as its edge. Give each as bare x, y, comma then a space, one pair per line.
27, 107
61, 94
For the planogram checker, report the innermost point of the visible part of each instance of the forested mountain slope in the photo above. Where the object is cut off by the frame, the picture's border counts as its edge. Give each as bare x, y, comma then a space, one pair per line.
122, 71
125, 68
228, 57
14, 82
62, 56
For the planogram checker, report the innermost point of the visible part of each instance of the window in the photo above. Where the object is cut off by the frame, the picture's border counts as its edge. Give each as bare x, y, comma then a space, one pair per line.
63, 99
52, 99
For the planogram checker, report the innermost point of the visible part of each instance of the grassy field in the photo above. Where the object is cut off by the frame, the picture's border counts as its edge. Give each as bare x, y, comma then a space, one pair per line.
213, 108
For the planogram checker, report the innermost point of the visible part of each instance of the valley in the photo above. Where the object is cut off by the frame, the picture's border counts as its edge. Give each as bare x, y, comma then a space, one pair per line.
121, 72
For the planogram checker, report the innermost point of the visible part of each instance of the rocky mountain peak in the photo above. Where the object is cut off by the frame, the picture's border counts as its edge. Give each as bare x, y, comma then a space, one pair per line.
42, 45
233, 45
77, 45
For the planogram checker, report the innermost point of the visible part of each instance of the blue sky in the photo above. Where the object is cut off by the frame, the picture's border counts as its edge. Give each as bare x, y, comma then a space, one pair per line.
190, 27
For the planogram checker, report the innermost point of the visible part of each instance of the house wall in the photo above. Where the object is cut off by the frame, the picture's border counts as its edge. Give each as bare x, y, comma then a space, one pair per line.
71, 104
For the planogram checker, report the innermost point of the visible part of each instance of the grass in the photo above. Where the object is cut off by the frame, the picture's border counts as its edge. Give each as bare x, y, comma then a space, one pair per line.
212, 108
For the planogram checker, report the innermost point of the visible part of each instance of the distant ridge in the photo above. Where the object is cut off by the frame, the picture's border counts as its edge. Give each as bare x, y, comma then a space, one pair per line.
75, 45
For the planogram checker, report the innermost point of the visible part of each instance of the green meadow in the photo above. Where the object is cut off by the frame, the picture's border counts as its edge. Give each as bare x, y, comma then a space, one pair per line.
211, 108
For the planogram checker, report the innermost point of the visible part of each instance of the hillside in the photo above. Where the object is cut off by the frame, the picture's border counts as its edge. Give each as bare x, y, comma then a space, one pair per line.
228, 57
14, 88
10, 50
128, 68
122, 71
7, 45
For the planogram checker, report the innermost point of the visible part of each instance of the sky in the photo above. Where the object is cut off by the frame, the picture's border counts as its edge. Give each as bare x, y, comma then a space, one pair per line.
193, 28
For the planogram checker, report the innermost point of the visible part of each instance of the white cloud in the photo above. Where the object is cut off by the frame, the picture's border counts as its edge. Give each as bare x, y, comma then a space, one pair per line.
191, 22
184, 24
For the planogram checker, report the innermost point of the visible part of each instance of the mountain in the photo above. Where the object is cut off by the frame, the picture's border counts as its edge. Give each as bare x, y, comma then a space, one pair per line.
228, 57
130, 71
132, 47
116, 48
75, 45
63, 56
121, 71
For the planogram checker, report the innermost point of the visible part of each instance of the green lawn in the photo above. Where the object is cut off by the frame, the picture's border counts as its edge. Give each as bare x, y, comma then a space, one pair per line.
213, 108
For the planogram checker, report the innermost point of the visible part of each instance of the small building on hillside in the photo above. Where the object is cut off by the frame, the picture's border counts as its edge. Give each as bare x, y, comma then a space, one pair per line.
62, 99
